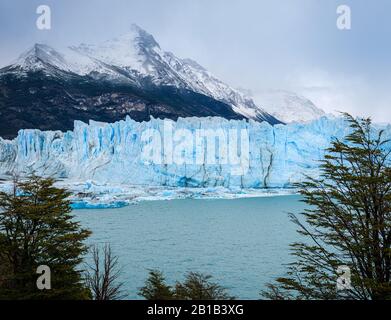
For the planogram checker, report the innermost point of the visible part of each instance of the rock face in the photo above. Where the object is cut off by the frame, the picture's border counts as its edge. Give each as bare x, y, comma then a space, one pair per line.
115, 153
130, 75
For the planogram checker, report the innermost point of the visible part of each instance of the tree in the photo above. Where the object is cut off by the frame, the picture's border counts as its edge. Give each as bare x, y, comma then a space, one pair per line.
36, 228
196, 286
156, 288
347, 225
102, 280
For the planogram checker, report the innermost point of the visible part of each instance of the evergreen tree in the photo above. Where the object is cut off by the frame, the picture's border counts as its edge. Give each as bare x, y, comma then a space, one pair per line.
347, 226
156, 288
196, 286
36, 228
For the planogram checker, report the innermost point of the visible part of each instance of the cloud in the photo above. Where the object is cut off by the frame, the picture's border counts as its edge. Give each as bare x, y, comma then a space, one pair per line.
336, 92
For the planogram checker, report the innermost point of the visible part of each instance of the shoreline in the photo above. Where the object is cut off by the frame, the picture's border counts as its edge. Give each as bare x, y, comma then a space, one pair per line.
92, 195
114, 196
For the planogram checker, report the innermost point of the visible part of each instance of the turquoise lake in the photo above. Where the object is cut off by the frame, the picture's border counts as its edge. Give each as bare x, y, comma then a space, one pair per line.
242, 243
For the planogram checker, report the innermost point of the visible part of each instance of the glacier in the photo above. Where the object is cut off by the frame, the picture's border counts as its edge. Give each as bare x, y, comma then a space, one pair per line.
103, 162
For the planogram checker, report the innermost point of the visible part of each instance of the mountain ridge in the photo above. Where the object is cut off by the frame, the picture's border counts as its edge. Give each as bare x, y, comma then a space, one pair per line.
150, 82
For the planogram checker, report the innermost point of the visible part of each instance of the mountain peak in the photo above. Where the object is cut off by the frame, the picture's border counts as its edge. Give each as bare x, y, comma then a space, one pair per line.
129, 50
143, 37
135, 36
39, 55
137, 57
137, 29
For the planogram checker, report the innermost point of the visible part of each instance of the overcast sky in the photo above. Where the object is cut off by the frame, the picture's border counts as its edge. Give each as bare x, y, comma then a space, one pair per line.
254, 44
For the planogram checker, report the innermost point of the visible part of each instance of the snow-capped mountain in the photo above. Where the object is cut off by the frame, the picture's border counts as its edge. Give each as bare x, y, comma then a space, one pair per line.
139, 55
288, 106
39, 57
128, 75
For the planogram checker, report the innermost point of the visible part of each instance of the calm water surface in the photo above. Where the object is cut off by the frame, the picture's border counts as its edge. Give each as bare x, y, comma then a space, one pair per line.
243, 243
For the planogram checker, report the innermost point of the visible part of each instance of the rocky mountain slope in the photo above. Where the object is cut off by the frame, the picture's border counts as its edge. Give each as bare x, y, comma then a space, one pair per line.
130, 75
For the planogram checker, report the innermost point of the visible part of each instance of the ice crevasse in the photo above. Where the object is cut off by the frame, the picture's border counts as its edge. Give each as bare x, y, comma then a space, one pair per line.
112, 153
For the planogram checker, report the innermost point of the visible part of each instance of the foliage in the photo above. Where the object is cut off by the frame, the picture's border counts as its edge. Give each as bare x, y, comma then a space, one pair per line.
347, 223
36, 228
155, 287
196, 286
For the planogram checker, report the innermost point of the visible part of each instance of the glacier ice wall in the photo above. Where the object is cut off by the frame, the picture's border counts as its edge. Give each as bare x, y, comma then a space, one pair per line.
112, 153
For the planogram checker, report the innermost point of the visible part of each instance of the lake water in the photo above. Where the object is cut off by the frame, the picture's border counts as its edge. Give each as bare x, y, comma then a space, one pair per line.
242, 243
